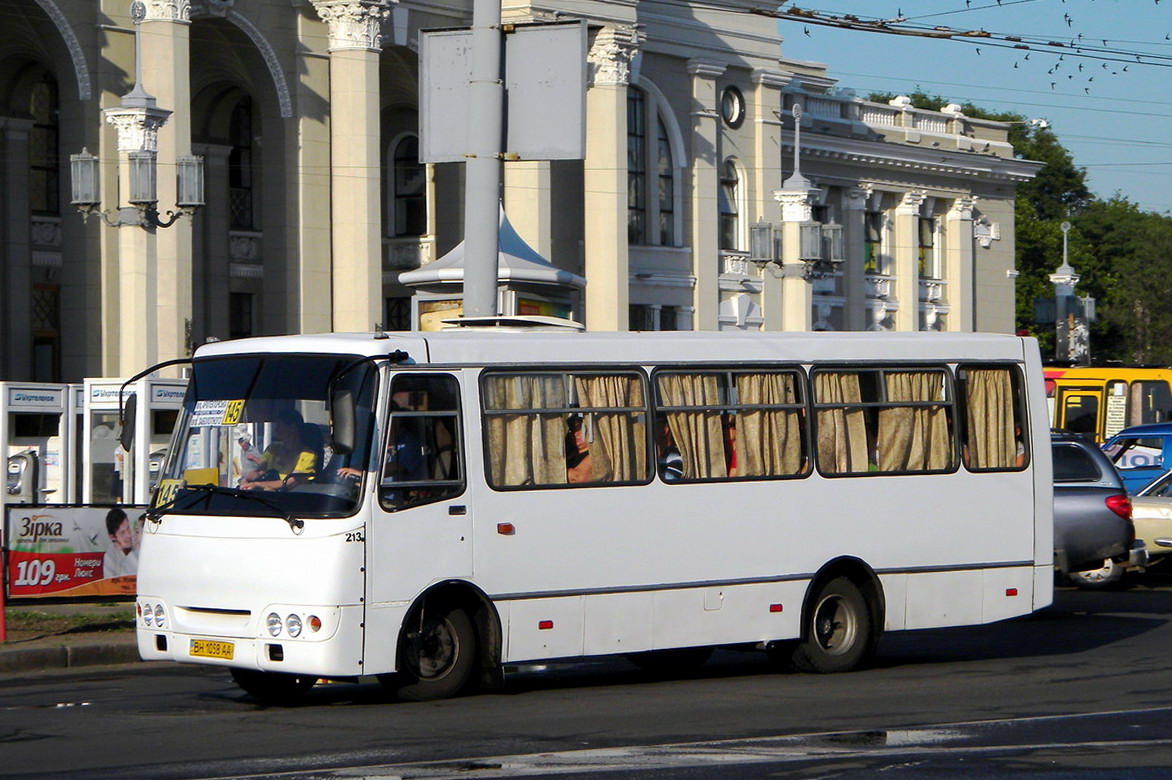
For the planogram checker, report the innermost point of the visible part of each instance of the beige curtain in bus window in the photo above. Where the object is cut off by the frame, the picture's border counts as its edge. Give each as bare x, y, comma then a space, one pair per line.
697, 435
769, 441
914, 438
991, 443
618, 452
842, 433
525, 448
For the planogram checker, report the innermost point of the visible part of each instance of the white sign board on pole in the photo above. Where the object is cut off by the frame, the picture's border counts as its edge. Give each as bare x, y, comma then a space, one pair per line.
545, 89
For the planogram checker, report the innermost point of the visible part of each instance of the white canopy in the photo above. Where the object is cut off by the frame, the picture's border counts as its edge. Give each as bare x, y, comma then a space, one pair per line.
517, 262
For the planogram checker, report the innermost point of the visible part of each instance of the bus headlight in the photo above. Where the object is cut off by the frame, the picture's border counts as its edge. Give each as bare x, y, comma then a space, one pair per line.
147, 614
160, 616
293, 625
274, 624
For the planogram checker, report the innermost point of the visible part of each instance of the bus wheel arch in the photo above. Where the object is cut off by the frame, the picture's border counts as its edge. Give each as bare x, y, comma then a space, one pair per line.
457, 619
842, 618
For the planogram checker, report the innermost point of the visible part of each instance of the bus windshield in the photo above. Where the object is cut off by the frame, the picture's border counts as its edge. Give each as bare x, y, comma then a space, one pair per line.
258, 436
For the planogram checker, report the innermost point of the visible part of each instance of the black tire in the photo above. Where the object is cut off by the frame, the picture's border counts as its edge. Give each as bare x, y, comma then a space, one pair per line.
1106, 577
275, 688
838, 633
437, 654
670, 663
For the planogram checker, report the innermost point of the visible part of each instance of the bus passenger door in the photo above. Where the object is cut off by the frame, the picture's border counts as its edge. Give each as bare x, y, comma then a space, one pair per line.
1079, 411
420, 531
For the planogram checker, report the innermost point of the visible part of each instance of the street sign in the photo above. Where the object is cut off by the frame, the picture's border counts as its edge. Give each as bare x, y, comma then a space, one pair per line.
545, 93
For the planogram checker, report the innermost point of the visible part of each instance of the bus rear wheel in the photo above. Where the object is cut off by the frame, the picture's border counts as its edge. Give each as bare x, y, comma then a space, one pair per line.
279, 688
437, 655
838, 633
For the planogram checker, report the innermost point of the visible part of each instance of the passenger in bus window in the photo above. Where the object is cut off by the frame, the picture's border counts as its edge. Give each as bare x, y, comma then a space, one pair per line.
579, 464
406, 459
288, 460
728, 423
671, 462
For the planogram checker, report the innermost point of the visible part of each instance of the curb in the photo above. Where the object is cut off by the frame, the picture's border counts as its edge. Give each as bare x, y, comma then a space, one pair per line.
66, 657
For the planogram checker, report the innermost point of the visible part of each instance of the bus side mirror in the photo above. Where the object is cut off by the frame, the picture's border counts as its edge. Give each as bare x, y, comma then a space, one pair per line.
127, 418
342, 414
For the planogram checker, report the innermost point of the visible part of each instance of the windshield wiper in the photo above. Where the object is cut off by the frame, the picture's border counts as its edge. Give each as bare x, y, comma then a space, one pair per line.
207, 491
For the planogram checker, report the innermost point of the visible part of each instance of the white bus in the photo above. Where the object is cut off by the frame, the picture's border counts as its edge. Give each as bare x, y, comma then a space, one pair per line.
431, 507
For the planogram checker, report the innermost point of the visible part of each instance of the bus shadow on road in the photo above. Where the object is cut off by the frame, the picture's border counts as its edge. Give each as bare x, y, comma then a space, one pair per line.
1076, 622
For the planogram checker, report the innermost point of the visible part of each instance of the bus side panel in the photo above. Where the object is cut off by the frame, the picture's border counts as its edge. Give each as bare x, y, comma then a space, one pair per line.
618, 623
936, 599
894, 601
1008, 593
728, 614
543, 628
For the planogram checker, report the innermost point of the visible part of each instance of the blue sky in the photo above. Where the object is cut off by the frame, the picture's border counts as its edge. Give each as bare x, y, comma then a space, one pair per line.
1114, 121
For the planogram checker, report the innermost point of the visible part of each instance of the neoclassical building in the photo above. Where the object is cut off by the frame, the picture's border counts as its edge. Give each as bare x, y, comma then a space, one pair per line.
685, 213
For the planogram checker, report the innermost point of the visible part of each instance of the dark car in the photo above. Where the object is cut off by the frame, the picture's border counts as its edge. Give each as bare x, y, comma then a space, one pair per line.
1094, 539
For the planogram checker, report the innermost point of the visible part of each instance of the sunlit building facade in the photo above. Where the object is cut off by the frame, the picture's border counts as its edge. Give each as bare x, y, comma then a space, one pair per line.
686, 212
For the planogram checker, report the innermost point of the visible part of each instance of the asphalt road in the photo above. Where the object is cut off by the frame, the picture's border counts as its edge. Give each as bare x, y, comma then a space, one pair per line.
1080, 690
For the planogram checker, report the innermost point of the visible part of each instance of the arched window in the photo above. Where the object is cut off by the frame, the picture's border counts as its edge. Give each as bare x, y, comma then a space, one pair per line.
651, 184
240, 172
667, 217
408, 190
730, 225
44, 173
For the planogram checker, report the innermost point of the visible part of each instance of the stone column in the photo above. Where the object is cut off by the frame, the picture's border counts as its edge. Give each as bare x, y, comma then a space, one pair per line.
854, 210
705, 190
958, 265
306, 284
211, 296
528, 203
355, 194
16, 360
138, 247
797, 206
606, 247
766, 178
905, 252
166, 74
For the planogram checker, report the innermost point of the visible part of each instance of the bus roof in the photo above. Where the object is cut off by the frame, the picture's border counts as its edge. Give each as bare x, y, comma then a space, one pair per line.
507, 346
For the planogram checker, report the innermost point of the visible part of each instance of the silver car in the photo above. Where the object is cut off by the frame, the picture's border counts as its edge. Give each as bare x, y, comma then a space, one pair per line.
1094, 539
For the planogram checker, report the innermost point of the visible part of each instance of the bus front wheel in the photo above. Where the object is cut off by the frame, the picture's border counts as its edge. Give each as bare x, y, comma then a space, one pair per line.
279, 688
838, 630
437, 655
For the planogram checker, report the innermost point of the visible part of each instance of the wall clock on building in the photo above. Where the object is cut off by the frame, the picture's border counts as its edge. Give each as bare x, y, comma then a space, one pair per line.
732, 107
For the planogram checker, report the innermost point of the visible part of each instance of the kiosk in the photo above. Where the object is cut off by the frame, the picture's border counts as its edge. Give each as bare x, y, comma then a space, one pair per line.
32, 428
113, 475
74, 442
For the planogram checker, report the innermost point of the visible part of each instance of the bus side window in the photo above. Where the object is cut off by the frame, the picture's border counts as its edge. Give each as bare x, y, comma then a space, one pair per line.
422, 460
729, 424
554, 428
994, 437
884, 421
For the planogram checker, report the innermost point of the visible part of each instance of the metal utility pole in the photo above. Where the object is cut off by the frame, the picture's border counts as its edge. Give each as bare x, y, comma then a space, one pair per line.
483, 182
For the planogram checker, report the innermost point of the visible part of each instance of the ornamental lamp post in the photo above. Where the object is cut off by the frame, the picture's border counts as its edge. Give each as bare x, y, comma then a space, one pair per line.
138, 120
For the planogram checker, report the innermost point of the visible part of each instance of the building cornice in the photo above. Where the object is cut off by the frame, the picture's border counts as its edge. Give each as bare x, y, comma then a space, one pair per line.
879, 154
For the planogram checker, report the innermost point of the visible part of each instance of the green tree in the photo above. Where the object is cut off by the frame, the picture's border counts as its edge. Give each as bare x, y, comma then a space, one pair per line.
1131, 256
